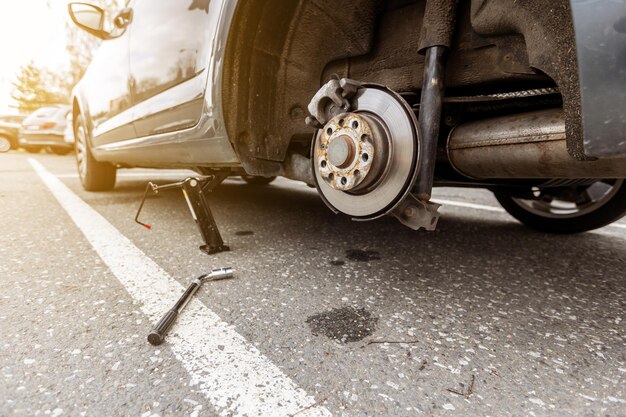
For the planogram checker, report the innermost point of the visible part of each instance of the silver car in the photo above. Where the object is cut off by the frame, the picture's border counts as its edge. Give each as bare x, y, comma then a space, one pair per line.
46, 128
372, 102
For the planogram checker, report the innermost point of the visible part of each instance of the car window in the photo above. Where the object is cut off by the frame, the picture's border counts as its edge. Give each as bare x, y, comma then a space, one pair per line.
45, 112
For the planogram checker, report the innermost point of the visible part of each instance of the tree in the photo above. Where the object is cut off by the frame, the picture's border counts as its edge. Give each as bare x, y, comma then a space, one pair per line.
36, 87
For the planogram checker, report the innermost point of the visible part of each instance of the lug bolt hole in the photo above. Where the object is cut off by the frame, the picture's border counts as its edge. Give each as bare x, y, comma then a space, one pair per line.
357, 173
323, 164
355, 125
331, 176
365, 157
344, 181
341, 122
364, 138
329, 131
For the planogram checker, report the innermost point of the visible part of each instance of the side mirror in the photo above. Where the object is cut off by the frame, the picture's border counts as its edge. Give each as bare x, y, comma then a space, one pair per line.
89, 18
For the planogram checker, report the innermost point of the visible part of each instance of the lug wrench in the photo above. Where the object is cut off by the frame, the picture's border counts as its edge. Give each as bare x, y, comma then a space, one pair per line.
158, 333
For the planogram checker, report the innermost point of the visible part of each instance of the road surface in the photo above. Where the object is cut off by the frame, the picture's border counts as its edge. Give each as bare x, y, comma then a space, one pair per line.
325, 317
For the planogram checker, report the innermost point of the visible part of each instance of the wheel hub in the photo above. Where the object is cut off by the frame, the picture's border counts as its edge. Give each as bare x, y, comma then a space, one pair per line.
365, 159
366, 153
346, 152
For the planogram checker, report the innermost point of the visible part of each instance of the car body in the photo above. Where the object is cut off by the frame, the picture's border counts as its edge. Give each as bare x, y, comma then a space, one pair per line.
45, 127
226, 86
10, 129
68, 133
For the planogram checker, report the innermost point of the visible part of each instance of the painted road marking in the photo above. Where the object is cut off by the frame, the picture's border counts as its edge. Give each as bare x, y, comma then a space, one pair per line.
470, 205
234, 376
497, 209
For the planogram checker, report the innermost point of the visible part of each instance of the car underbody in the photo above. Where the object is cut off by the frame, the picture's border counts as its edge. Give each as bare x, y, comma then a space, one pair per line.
376, 102
510, 118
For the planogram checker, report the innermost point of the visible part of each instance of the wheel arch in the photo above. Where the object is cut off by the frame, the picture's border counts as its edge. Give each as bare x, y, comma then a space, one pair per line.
276, 54
79, 108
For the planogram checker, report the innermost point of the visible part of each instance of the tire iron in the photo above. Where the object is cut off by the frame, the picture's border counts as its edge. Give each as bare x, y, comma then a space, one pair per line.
158, 333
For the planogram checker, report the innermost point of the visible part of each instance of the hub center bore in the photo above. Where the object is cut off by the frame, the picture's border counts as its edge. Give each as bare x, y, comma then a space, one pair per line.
346, 152
341, 151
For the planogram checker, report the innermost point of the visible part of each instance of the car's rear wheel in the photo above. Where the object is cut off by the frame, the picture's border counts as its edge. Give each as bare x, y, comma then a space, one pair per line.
573, 209
5, 144
33, 149
61, 151
94, 175
253, 180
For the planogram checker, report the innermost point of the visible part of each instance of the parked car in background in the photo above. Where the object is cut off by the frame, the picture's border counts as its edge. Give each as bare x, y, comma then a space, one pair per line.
68, 135
9, 132
46, 128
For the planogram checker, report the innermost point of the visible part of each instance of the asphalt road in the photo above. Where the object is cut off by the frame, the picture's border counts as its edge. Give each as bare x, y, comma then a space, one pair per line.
482, 317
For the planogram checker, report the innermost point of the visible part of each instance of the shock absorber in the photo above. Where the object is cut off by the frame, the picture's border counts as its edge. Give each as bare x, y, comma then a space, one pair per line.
435, 41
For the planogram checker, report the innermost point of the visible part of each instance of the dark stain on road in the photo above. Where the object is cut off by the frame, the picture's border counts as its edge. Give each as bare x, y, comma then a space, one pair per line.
244, 233
343, 325
358, 255
337, 262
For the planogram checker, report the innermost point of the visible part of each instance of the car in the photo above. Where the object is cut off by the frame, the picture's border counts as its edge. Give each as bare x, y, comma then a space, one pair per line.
45, 128
68, 133
372, 102
9, 132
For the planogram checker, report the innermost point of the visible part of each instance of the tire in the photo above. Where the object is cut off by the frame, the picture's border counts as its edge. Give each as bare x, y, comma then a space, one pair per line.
5, 144
94, 175
596, 214
61, 151
32, 149
253, 180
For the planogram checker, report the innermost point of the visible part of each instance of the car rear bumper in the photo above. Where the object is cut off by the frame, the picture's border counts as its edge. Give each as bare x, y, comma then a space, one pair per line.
44, 139
601, 42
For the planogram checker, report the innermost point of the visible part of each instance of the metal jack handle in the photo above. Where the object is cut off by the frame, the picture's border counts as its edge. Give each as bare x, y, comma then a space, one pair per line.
194, 190
158, 333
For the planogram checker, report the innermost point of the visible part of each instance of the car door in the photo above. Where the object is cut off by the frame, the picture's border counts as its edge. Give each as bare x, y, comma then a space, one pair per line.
105, 88
168, 62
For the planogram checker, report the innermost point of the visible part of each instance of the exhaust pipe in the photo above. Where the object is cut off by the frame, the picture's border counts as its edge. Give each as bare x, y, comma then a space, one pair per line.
527, 145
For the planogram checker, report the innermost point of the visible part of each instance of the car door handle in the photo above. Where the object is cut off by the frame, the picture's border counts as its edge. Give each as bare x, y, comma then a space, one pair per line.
123, 18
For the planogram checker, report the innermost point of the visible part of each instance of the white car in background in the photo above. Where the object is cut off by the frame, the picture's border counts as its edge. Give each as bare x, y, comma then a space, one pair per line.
68, 135
45, 128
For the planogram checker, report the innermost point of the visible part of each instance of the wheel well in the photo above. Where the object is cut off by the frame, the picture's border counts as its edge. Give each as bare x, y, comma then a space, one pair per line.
279, 53
75, 112
276, 55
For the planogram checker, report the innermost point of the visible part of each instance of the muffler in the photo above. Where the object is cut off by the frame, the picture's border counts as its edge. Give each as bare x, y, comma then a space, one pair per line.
526, 145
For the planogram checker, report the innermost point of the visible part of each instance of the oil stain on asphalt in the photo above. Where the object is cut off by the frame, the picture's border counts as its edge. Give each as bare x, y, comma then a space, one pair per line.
358, 255
343, 325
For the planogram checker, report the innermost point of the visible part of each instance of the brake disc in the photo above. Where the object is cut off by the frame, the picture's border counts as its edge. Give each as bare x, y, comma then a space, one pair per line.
366, 154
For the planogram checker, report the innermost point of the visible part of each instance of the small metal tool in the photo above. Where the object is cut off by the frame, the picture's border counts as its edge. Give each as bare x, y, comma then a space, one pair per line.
158, 333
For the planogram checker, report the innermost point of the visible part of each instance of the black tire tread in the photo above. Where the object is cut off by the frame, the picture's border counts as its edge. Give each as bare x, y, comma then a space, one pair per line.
260, 181
610, 212
100, 176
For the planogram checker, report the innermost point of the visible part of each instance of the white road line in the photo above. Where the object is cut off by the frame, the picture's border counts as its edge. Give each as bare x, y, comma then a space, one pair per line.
470, 205
497, 209
234, 376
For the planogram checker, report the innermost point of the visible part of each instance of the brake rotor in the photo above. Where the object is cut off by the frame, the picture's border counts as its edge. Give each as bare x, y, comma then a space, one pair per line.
365, 160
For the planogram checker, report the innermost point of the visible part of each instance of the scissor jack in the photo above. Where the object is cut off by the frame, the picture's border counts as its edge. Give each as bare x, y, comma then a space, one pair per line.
195, 190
